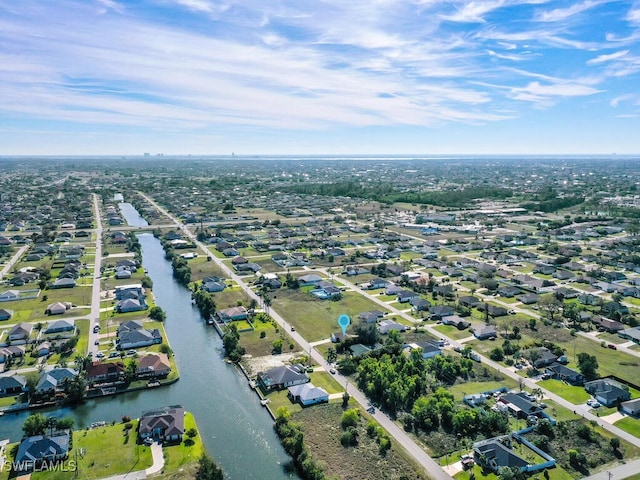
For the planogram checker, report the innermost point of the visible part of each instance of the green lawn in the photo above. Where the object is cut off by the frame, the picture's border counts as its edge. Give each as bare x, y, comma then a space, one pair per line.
560, 413
107, 451
452, 332
316, 319
190, 450
575, 395
325, 380
630, 425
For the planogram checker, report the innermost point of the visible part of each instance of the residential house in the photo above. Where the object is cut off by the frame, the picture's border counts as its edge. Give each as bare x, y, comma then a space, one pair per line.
606, 324
376, 283
165, 424
132, 334
370, 316
134, 290
406, 295
63, 283
468, 301
588, 299
455, 320
61, 326
566, 374
43, 349
36, 450
529, 298
632, 334
326, 290
156, 365
9, 295
282, 377
392, 289
428, 349
608, 392
385, 326
54, 380
519, 404
5, 314
307, 394
20, 332
543, 356
105, 373
233, 314
485, 332
131, 305
565, 293
309, 279
419, 304
247, 267
57, 308
631, 407
493, 454
438, 312
508, 291
210, 285
12, 385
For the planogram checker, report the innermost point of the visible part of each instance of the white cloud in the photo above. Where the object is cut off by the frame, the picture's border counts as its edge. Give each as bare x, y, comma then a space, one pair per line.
633, 15
562, 14
537, 92
607, 58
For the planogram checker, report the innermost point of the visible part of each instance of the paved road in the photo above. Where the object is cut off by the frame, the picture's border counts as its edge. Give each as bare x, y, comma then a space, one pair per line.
400, 436
95, 295
13, 260
617, 473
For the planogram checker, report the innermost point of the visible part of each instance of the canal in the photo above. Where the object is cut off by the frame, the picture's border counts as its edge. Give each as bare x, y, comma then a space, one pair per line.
235, 428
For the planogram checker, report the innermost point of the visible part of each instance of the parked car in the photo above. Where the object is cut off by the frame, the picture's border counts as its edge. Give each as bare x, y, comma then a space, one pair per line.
612, 346
332, 371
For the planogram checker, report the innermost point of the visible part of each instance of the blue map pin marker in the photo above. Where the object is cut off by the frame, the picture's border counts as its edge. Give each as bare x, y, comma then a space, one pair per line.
344, 321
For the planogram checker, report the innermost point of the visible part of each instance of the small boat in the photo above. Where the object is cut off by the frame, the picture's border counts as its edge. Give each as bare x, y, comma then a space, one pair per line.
265, 401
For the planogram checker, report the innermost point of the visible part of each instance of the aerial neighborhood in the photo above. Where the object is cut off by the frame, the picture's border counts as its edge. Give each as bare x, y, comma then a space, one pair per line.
494, 327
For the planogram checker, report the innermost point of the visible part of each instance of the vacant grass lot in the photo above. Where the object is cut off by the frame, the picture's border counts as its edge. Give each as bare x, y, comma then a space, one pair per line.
316, 319
257, 346
573, 394
322, 431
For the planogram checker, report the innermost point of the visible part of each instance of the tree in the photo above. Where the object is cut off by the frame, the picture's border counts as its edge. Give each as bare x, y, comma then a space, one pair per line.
332, 355
350, 418
588, 365
497, 354
35, 424
532, 324
157, 313
550, 306
65, 423
208, 470
614, 443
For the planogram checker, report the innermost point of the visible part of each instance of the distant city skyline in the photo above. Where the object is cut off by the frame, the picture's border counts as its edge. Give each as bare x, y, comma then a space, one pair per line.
108, 77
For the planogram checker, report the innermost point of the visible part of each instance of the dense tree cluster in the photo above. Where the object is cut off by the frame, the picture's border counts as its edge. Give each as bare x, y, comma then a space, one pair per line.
292, 439
231, 344
396, 381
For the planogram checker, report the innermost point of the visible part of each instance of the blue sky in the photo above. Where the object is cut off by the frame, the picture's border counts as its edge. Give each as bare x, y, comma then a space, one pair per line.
314, 77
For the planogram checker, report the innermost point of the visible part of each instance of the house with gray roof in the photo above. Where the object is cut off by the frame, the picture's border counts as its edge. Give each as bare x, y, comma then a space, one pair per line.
33, 451
608, 392
282, 377
54, 380
494, 454
12, 385
20, 332
632, 334
164, 424
308, 394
